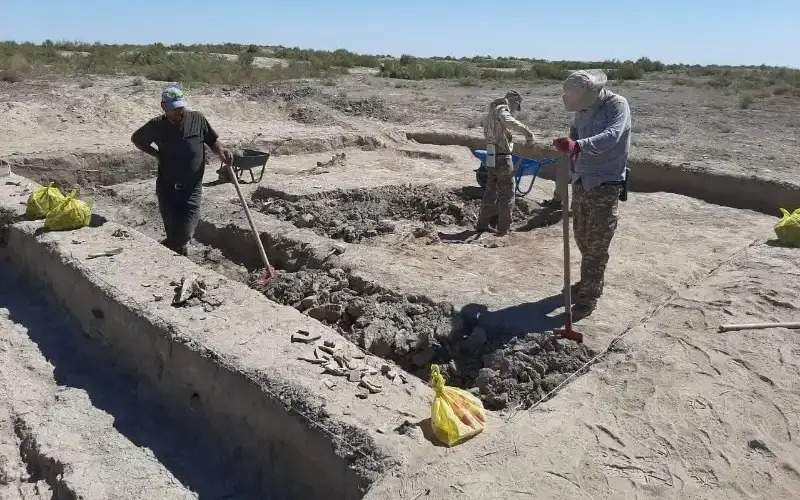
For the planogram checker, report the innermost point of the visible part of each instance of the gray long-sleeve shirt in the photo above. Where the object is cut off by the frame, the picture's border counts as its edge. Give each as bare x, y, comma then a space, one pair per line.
603, 133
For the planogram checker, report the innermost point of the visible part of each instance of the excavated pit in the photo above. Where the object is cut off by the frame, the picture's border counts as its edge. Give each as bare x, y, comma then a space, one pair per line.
503, 368
180, 440
359, 215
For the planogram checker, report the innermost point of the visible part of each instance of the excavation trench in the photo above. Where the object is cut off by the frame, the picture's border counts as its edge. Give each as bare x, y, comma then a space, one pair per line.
409, 329
503, 368
179, 439
362, 215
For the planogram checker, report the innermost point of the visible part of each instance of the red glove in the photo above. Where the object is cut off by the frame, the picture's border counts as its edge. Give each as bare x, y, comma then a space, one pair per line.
567, 146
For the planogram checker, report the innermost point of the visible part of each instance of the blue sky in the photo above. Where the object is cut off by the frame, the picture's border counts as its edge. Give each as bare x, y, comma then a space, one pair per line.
698, 31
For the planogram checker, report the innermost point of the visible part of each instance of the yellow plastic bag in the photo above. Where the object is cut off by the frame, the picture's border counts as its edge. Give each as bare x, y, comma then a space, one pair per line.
788, 228
41, 201
71, 213
456, 415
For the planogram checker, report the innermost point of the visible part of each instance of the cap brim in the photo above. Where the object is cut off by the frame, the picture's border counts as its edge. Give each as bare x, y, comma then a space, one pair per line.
173, 105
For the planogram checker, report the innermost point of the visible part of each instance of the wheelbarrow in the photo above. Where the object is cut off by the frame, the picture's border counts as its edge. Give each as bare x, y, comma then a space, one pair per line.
249, 159
523, 167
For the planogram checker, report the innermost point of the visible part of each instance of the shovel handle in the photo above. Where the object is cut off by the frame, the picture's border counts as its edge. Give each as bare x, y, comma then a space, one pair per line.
758, 326
256, 234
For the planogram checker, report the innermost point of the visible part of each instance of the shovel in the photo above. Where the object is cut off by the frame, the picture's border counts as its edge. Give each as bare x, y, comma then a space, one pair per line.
562, 178
268, 272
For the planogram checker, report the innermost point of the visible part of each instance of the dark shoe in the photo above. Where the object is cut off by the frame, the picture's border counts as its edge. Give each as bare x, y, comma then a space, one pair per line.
583, 310
553, 203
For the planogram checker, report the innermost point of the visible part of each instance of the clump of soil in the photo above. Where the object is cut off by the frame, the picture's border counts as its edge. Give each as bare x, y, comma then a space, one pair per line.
360, 214
371, 107
415, 332
312, 114
285, 91
516, 370
405, 328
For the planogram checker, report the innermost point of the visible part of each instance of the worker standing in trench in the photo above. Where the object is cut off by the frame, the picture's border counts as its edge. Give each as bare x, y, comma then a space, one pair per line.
180, 135
498, 197
598, 145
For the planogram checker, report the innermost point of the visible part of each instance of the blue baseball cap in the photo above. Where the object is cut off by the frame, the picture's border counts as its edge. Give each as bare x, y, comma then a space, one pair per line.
172, 98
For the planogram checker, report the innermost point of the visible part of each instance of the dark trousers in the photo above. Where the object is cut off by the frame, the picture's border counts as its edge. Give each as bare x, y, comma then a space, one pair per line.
180, 211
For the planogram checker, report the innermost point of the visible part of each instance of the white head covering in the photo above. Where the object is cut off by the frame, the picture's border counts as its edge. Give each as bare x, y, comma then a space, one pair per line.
586, 86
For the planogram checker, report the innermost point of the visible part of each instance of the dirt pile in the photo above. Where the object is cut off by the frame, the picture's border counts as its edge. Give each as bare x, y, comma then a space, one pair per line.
415, 332
401, 327
361, 214
371, 107
513, 371
312, 114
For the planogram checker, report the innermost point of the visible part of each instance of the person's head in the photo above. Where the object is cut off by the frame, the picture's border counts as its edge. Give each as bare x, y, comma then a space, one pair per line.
582, 88
514, 101
174, 104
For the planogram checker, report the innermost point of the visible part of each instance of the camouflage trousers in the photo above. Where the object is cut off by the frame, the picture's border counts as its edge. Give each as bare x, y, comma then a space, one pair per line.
498, 197
595, 215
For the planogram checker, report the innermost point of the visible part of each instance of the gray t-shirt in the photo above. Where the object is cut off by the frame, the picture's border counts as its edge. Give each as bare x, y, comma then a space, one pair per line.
182, 156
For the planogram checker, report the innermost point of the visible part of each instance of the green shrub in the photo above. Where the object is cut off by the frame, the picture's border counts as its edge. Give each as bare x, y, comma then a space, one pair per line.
745, 101
627, 71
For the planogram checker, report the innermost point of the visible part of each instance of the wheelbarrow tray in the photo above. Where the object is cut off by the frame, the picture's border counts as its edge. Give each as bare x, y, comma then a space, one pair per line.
248, 159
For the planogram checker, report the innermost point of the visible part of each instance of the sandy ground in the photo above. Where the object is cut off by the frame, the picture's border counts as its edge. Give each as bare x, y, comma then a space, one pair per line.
679, 124
675, 410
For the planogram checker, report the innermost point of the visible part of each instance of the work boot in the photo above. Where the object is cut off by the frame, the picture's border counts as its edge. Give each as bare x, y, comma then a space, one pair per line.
584, 306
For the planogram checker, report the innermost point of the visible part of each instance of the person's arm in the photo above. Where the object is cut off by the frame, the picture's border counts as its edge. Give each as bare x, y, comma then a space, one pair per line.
144, 138
605, 140
512, 123
211, 138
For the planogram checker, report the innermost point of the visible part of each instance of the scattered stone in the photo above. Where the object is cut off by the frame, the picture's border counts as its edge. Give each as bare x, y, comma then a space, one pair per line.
372, 387
327, 350
106, 253
314, 361
330, 313
330, 385
332, 369
308, 303
190, 287
305, 337
355, 375
329, 343
121, 233
157, 297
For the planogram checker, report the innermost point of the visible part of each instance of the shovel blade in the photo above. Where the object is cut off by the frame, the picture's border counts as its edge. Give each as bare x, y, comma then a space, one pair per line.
265, 276
569, 334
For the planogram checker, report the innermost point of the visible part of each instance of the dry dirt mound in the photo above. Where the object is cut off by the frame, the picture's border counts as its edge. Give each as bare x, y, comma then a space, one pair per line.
360, 214
415, 332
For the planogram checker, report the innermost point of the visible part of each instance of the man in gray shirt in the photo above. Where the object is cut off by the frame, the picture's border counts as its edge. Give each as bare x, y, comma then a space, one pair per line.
598, 145
180, 136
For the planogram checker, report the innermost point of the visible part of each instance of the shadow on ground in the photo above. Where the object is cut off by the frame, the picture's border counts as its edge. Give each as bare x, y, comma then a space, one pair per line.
516, 320
179, 441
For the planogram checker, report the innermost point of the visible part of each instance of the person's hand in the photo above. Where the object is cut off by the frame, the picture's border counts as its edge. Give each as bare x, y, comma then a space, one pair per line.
567, 146
227, 156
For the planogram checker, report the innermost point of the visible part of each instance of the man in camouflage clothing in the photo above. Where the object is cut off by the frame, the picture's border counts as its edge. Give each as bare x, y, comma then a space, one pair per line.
498, 196
599, 142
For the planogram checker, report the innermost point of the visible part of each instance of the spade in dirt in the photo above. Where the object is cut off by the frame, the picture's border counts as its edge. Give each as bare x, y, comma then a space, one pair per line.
266, 274
563, 175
